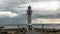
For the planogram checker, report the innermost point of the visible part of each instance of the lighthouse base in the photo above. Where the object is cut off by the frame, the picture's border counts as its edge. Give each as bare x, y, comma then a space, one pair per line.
29, 27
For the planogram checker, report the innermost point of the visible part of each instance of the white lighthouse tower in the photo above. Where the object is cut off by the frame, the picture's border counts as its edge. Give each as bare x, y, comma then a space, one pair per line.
29, 15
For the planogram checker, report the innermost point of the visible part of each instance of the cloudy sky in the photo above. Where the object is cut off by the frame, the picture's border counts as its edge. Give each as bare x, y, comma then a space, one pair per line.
14, 11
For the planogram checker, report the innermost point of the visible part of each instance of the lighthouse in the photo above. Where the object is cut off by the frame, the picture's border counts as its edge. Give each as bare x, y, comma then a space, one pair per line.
29, 20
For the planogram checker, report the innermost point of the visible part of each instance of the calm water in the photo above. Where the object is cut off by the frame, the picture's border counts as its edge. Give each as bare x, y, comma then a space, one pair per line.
50, 26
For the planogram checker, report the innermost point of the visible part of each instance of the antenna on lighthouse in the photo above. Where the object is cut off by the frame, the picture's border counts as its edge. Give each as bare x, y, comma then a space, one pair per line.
29, 2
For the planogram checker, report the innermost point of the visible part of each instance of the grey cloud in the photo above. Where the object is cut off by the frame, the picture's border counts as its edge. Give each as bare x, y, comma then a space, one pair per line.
57, 15
22, 18
15, 20
11, 4
43, 0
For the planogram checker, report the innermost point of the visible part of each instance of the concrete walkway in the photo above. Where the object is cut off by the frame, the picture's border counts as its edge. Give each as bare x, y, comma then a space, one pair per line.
32, 32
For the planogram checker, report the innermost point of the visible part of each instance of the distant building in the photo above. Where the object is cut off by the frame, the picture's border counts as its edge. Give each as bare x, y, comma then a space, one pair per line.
1, 27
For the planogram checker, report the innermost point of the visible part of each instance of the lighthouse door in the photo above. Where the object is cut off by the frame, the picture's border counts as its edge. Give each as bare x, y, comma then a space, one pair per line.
29, 27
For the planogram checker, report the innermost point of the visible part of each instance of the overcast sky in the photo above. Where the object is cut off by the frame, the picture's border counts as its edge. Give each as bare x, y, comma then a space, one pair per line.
14, 11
